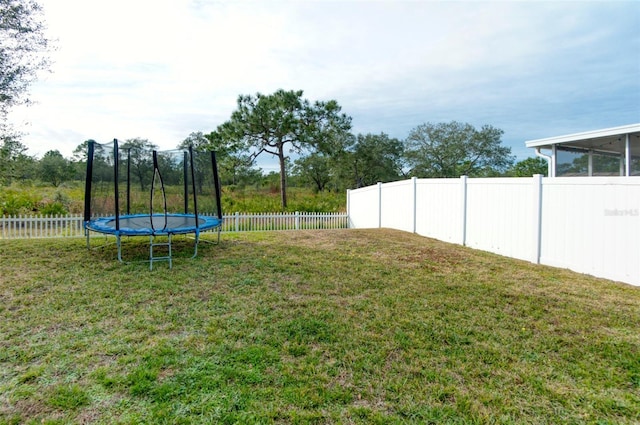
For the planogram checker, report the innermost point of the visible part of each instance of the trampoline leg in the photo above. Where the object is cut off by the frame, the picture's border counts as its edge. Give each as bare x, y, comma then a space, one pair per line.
118, 244
86, 233
170, 254
195, 248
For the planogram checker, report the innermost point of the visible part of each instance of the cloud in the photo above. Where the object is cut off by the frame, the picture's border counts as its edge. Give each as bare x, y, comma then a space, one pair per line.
162, 69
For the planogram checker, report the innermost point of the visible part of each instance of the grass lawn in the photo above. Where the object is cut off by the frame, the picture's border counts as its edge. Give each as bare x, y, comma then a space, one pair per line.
344, 326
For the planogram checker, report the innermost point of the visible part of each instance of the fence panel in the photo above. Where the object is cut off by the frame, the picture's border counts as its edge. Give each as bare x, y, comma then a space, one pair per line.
500, 216
39, 226
397, 206
363, 207
439, 212
23, 227
587, 224
592, 225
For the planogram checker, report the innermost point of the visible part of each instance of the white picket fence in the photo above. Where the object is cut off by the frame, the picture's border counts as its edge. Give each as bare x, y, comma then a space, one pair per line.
22, 227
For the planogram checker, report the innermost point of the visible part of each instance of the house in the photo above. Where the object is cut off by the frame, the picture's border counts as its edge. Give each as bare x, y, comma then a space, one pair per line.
608, 152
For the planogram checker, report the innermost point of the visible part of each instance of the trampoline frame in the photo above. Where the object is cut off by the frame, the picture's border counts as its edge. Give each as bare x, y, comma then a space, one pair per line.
151, 224
102, 225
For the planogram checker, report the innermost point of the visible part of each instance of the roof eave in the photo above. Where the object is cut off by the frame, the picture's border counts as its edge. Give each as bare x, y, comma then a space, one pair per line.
607, 132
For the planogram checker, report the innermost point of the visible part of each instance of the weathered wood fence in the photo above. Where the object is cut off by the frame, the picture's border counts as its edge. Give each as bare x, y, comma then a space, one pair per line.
21, 227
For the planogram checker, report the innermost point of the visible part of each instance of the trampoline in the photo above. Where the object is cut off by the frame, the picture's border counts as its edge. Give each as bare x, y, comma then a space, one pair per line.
156, 224
131, 191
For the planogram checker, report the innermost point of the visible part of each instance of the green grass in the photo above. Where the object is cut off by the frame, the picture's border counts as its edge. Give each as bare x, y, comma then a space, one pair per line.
337, 326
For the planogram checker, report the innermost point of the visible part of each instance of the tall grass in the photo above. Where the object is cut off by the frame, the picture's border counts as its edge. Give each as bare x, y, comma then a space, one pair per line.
26, 198
253, 200
23, 198
340, 326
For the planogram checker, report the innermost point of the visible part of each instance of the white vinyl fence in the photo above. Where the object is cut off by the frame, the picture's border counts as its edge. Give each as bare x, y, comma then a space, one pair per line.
586, 224
17, 227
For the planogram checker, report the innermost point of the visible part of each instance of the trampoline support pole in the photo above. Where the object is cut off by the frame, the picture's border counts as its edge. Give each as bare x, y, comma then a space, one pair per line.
195, 248
119, 248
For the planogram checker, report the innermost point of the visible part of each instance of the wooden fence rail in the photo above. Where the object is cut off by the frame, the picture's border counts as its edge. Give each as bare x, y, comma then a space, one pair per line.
24, 227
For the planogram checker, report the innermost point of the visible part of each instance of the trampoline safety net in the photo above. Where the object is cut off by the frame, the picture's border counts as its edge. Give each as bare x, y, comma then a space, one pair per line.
129, 179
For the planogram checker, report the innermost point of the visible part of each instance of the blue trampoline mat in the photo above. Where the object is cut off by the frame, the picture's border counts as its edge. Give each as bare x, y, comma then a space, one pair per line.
156, 224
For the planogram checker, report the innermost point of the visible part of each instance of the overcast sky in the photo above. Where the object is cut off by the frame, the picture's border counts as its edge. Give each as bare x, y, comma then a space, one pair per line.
161, 69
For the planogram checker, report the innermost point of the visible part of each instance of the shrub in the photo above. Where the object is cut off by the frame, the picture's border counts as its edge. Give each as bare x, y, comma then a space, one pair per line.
14, 202
54, 208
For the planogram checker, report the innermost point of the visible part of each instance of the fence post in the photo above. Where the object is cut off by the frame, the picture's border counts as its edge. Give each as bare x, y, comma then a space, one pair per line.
463, 184
348, 208
297, 220
237, 220
414, 182
537, 217
379, 204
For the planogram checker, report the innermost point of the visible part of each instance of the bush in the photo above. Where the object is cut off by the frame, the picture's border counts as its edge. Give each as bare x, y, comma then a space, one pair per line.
54, 208
15, 202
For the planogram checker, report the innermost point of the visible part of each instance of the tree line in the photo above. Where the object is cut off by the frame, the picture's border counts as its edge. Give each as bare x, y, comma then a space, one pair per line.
314, 147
